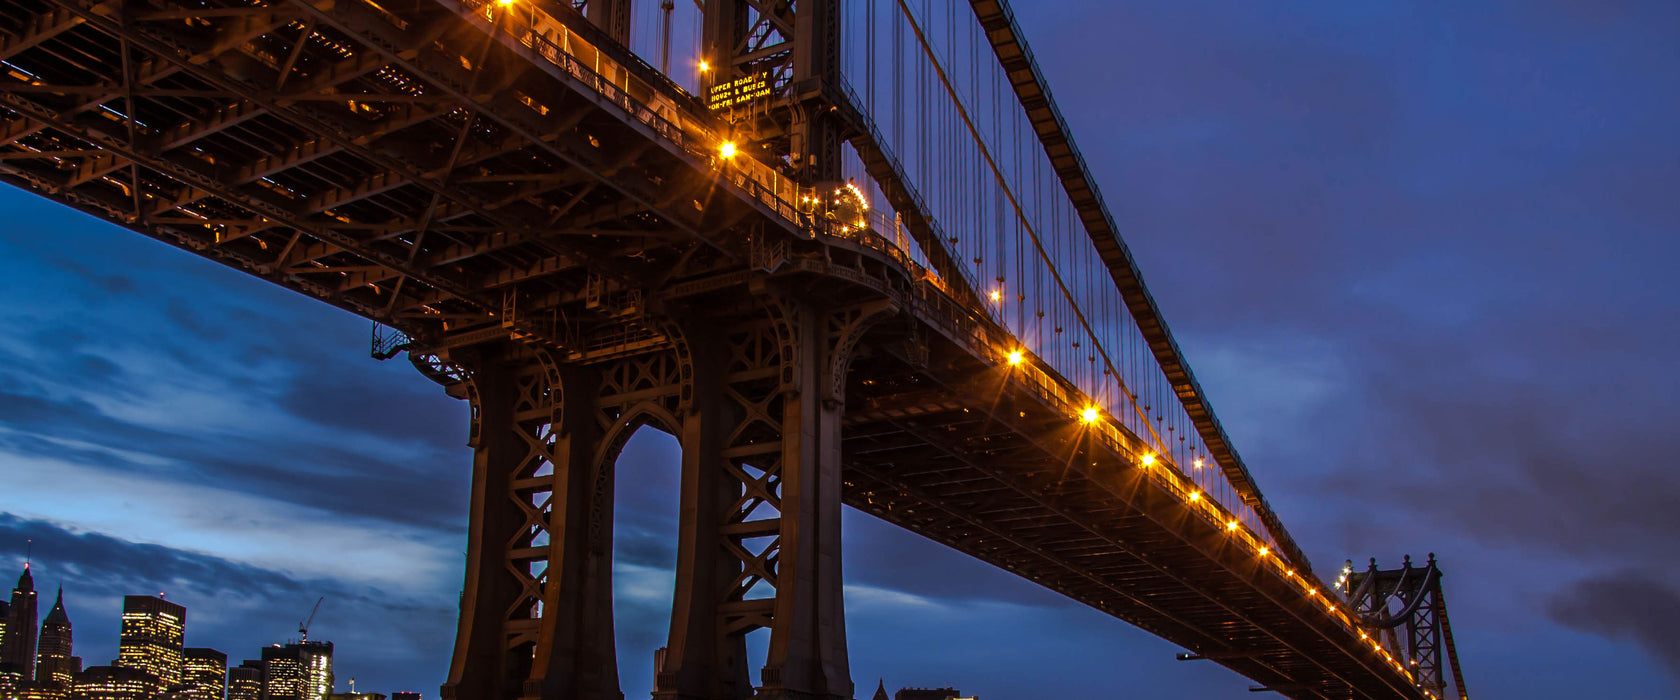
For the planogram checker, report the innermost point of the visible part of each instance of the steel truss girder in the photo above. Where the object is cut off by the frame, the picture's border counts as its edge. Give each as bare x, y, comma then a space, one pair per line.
1058, 495
1044, 494
40, 28
293, 254
194, 174
357, 21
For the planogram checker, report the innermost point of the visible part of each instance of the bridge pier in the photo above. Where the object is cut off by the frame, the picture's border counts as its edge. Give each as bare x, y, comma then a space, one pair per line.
761, 503
757, 406
536, 606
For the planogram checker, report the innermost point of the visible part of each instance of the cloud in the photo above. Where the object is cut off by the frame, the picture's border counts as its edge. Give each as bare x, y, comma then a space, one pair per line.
333, 470
1640, 606
99, 562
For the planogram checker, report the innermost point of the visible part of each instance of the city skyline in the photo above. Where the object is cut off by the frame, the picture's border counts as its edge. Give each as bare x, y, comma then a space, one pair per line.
151, 639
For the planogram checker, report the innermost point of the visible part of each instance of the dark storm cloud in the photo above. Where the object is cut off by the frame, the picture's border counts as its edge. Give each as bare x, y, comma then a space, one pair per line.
193, 320
349, 398
112, 284
105, 564
317, 474
882, 555
1636, 605
388, 441
1535, 452
642, 547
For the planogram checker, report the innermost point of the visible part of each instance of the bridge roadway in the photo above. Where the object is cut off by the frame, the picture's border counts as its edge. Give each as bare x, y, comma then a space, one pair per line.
580, 205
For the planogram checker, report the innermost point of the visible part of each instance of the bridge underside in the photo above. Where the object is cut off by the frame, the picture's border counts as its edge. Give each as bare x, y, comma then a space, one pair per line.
566, 255
936, 436
409, 169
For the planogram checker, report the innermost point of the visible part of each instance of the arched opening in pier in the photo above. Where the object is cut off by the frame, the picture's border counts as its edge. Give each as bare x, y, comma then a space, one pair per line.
646, 500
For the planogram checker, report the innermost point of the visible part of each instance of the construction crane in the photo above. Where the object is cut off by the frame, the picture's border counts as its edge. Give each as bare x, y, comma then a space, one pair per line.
303, 627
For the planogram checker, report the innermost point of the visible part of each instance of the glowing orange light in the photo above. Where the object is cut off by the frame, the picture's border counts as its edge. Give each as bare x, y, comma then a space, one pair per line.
1016, 357
727, 150
997, 295
1264, 551
1148, 460
1231, 525
1198, 463
1195, 495
1089, 415
704, 66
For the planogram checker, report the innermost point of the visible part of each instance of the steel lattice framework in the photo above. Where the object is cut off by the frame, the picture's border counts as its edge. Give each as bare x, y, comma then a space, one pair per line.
546, 222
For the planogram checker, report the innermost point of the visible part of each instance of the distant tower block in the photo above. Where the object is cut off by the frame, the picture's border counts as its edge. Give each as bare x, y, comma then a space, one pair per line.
152, 632
55, 660
17, 649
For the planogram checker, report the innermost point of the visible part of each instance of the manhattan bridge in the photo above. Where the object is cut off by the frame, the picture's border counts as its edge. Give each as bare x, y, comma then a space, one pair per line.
846, 252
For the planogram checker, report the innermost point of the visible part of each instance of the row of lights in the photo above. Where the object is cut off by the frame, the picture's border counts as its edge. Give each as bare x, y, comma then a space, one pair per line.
728, 150
1091, 414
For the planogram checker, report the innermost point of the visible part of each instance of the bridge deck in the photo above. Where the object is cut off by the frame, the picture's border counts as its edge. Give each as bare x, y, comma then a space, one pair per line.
415, 166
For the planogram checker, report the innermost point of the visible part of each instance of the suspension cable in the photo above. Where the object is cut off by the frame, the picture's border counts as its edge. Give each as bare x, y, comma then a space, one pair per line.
1037, 244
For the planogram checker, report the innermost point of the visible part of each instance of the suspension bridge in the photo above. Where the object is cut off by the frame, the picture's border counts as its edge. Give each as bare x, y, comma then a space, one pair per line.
846, 252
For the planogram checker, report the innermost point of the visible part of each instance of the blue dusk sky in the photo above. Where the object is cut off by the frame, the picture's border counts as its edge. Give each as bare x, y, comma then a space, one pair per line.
1421, 254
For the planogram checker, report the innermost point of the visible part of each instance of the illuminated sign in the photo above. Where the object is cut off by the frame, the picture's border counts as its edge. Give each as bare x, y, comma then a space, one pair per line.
738, 91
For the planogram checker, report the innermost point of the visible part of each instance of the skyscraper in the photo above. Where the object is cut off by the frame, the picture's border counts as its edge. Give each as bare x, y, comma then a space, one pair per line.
282, 672
55, 660
204, 673
318, 670
152, 630
9, 677
927, 694
18, 648
300, 671
114, 683
245, 681
9, 681
43, 691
